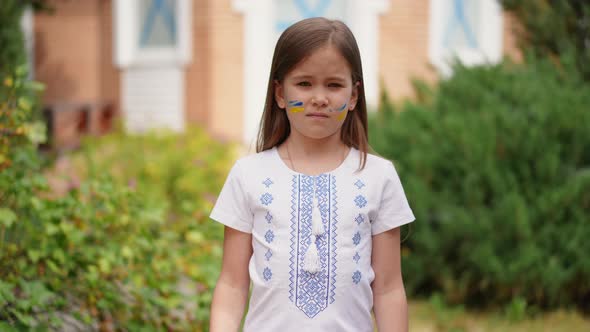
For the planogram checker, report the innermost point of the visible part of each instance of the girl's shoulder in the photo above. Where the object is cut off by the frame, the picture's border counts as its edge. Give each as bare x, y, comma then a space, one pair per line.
378, 165
254, 162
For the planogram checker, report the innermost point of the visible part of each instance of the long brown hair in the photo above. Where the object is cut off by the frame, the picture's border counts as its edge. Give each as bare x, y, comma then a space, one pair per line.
294, 45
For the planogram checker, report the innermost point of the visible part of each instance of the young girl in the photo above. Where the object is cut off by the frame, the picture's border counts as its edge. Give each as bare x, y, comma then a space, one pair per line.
312, 219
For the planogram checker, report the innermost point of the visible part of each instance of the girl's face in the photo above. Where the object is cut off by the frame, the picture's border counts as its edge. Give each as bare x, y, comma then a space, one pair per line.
318, 93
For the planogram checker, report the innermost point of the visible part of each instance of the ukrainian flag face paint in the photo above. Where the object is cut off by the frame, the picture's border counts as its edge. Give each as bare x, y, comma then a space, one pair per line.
342, 110
296, 106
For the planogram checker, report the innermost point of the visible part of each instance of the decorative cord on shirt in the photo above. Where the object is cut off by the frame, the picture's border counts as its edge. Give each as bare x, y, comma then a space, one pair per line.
311, 260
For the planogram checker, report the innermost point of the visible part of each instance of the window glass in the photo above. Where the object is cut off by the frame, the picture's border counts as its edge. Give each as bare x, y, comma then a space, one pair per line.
288, 12
461, 25
157, 23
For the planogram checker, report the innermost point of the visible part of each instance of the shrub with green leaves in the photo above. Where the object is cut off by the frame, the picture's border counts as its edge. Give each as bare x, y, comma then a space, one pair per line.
116, 249
12, 53
126, 245
182, 173
112, 252
495, 162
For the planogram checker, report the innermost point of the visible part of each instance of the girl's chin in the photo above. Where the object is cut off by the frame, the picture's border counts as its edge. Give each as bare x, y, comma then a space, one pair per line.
319, 134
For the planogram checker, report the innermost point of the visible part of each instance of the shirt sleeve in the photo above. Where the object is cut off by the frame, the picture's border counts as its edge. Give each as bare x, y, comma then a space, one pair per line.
394, 210
231, 207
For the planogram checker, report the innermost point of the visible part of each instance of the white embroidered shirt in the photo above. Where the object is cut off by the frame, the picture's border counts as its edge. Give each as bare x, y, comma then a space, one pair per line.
264, 197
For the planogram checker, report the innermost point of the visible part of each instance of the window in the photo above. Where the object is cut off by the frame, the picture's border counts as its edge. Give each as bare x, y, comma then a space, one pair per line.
157, 23
469, 31
460, 20
149, 32
288, 12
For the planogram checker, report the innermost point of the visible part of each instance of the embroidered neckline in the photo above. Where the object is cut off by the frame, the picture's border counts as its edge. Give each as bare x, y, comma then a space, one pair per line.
350, 156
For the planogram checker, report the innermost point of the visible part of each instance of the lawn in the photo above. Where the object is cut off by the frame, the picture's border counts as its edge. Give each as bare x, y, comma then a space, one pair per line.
426, 316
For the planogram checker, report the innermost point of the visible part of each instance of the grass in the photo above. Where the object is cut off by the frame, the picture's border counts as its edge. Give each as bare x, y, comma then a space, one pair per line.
430, 316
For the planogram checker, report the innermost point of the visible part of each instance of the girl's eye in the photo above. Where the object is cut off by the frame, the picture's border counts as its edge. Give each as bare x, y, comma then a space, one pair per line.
304, 83
335, 85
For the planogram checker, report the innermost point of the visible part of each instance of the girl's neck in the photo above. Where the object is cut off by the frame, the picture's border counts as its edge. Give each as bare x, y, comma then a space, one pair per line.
305, 147
312, 156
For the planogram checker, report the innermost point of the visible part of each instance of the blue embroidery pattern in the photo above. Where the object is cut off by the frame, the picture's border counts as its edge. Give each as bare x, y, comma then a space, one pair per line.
359, 184
268, 182
356, 277
356, 257
266, 199
267, 274
334, 227
269, 236
356, 239
312, 292
360, 219
360, 201
295, 185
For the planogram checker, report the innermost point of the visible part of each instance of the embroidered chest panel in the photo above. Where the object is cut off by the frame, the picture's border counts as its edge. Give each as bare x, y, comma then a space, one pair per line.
313, 292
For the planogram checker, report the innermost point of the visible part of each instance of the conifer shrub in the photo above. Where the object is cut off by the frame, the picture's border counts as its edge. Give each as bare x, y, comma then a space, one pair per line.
495, 162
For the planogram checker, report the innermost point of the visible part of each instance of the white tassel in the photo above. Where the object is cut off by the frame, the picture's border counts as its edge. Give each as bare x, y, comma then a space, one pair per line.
311, 261
317, 225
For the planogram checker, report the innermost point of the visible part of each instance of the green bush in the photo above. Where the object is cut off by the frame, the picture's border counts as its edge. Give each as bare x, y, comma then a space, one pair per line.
127, 245
176, 169
12, 52
183, 173
496, 165
109, 253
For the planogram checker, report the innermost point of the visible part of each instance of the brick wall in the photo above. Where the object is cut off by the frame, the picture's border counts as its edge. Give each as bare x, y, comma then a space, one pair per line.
109, 73
403, 46
198, 73
67, 49
227, 77
73, 58
215, 77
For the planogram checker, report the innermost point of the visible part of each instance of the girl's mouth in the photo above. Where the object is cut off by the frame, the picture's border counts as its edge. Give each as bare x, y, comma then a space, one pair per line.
317, 115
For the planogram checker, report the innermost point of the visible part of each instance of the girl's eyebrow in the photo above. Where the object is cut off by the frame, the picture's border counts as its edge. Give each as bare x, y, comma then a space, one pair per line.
302, 77
336, 78
307, 77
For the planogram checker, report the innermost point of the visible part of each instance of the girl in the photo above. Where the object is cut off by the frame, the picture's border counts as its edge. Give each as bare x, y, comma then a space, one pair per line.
312, 219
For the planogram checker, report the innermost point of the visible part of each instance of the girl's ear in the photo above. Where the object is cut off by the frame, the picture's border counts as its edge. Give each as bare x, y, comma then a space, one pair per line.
354, 97
279, 95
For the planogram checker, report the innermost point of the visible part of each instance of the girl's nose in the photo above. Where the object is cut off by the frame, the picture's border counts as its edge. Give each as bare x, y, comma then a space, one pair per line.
319, 100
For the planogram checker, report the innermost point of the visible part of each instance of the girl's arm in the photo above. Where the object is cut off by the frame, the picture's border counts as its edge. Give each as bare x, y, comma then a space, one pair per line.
389, 297
231, 292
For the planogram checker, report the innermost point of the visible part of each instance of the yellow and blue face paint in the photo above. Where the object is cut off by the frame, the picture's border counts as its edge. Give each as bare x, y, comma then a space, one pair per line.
342, 114
296, 106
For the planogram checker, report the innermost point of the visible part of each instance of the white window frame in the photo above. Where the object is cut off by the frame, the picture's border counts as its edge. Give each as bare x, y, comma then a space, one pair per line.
126, 36
27, 23
489, 36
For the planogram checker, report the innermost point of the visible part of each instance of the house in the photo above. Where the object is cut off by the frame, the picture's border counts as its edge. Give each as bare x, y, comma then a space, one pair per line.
169, 63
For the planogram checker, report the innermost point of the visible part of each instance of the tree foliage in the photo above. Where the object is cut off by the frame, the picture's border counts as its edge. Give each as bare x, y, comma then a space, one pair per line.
555, 28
